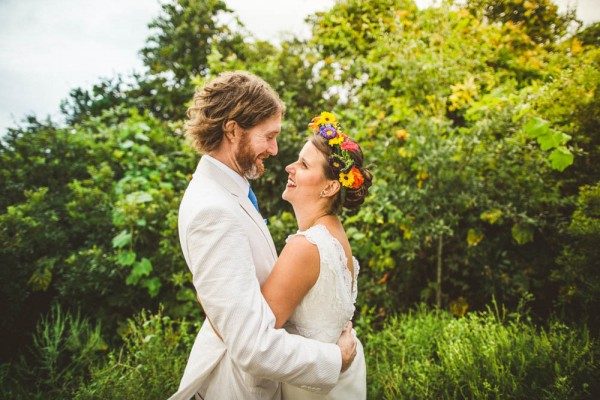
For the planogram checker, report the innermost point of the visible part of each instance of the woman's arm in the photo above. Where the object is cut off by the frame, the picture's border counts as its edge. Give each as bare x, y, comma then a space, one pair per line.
294, 273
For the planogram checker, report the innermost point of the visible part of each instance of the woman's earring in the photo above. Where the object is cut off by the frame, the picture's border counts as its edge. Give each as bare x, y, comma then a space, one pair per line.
322, 194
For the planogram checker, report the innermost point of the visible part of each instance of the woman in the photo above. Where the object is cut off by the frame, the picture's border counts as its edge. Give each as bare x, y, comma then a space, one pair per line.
312, 288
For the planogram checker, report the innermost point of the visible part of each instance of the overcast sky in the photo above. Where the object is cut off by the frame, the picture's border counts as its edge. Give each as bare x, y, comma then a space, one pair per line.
48, 47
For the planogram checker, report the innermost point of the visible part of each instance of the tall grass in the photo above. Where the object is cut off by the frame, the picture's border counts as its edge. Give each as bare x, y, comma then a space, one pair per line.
432, 355
150, 363
420, 355
65, 347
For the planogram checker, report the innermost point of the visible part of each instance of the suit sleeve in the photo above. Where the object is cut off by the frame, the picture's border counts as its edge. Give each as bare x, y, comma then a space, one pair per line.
225, 280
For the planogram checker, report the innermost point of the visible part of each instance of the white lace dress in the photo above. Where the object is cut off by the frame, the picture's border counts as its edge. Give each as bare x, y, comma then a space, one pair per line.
325, 310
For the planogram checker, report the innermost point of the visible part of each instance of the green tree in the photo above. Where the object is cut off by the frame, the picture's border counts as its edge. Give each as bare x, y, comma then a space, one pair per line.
590, 35
442, 101
176, 51
539, 18
579, 293
81, 191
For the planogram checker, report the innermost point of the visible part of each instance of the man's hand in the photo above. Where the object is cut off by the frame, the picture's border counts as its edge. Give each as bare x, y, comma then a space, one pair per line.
347, 344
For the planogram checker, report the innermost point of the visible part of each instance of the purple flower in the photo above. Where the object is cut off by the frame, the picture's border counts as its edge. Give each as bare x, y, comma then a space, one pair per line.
327, 131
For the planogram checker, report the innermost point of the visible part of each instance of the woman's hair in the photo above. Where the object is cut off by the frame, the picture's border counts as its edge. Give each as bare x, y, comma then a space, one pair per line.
239, 96
346, 197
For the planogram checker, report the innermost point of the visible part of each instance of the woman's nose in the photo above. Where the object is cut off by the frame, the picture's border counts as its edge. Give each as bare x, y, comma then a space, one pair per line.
288, 168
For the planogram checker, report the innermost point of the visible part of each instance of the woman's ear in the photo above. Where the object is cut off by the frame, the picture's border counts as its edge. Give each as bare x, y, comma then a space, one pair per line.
332, 188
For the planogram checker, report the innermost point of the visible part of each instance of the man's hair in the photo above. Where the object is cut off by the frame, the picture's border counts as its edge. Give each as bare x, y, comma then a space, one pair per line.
232, 96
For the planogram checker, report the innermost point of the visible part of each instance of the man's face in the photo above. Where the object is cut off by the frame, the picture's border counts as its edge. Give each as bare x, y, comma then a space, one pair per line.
257, 144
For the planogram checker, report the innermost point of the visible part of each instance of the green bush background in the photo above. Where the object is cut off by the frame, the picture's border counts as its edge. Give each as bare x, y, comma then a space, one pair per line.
481, 124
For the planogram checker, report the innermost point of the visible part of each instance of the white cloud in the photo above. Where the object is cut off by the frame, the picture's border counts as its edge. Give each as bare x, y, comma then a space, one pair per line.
48, 47
271, 19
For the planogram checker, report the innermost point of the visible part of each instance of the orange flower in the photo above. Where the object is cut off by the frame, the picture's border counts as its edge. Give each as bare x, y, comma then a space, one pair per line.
358, 180
314, 125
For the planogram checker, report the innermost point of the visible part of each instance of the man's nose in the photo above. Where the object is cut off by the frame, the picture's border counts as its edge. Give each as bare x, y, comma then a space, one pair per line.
273, 148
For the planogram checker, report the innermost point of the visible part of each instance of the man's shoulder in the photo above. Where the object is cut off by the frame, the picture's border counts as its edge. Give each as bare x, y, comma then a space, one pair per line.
208, 187
205, 197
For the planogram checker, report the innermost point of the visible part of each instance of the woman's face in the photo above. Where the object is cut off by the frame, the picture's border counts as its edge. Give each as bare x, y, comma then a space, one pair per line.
306, 176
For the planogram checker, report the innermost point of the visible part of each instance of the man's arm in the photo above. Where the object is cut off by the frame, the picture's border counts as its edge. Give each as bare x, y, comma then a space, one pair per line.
226, 284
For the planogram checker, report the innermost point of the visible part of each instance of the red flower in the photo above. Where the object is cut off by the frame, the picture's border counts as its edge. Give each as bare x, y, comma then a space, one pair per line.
349, 145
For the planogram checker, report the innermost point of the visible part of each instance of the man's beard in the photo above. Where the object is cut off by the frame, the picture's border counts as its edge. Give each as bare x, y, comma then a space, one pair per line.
247, 160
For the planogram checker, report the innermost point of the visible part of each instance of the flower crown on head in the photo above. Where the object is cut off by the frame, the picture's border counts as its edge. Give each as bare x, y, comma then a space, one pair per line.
341, 161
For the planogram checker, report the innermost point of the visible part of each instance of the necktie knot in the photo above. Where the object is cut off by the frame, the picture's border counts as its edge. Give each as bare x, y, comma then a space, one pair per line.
253, 199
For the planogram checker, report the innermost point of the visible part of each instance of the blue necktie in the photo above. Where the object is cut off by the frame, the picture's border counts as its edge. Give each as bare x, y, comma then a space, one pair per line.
253, 199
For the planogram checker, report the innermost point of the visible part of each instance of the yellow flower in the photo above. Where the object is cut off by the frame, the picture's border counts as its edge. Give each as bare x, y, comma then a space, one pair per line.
402, 13
327, 118
402, 152
422, 175
347, 179
322, 119
463, 94
576, 47
336, 140
402, 134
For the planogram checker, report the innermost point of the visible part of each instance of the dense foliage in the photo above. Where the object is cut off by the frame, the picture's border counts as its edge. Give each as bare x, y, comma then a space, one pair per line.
419, 355
482, 129
431, 355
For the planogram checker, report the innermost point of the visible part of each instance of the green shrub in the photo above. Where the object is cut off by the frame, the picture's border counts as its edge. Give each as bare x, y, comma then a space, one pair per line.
420, 355
65, 347
150, 363
579, 293
432, 355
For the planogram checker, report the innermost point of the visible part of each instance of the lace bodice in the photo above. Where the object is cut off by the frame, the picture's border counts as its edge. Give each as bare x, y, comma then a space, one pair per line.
329, 304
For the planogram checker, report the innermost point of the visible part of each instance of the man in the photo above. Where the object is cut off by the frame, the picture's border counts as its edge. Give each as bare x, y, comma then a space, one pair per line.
238, 354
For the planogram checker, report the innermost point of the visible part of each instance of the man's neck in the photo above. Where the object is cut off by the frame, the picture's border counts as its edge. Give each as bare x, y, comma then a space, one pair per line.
226, 158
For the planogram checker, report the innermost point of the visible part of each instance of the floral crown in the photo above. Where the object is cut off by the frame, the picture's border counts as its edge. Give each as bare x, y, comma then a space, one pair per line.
341, 161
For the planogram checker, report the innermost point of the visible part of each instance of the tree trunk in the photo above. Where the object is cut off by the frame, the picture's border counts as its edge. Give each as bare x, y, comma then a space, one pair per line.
438, 295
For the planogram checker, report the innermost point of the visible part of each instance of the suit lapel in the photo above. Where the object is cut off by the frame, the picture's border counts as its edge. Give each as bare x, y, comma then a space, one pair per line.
258, 220
211, 171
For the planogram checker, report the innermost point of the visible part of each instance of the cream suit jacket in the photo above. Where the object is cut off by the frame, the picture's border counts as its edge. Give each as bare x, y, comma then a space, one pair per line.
229, 250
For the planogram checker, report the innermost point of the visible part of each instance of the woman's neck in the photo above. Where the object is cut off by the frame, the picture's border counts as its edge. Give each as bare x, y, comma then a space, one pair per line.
308, 218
